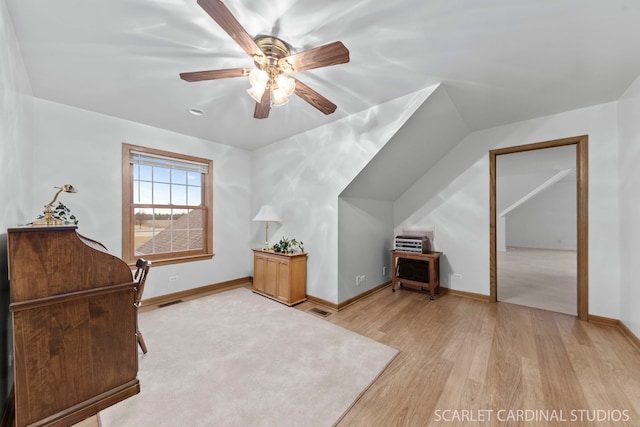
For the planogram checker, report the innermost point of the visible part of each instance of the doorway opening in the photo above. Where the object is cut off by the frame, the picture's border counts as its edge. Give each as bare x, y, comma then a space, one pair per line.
581, 209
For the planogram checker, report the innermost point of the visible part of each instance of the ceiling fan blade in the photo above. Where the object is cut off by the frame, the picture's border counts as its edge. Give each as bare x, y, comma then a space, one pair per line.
219, 12
321, 56
314, 98
263, 107
196, 76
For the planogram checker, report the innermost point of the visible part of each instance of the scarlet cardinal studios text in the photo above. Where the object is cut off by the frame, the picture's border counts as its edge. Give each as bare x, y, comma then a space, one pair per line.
532, 415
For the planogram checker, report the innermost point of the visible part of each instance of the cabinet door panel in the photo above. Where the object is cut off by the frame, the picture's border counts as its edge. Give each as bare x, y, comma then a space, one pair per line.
284, 281
258, 273
271, 277
297, 280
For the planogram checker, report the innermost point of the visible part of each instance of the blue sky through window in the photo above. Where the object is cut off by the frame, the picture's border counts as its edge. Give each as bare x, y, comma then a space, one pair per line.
166, 186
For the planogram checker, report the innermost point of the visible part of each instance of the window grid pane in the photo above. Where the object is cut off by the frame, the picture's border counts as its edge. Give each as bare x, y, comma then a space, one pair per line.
178, 194
161, 174
161, 193
165, 193
194, 196
168, 230
178, 176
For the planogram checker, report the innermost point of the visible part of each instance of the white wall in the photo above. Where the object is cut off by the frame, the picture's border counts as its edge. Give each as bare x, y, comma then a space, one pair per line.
365, 236
539, 179
16, 129
83, 148
547, 221
365, 210
16, 147
302, 177
511, 189
459, 203
629, 175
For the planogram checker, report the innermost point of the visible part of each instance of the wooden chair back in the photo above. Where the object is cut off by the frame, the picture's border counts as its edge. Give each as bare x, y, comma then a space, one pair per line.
140, 277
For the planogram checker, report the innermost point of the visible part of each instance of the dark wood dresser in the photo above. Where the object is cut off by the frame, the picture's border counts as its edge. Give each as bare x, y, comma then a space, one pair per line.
74, 326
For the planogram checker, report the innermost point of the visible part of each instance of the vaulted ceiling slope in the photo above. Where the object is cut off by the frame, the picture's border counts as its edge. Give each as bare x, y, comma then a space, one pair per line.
501, 60
434, 129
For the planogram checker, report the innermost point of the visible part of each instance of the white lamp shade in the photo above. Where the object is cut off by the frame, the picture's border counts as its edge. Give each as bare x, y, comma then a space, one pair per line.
278, 97
287, 84
256, 92
258, 77
266, 213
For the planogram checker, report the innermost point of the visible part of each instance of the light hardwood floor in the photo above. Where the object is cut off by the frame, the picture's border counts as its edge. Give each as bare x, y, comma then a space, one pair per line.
460, 354
540, 278
490, 360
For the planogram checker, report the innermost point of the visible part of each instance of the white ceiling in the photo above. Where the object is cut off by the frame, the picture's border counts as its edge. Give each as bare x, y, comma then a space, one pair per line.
500, 60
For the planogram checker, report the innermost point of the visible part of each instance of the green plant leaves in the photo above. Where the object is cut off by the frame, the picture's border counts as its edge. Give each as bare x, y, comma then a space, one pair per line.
288, 246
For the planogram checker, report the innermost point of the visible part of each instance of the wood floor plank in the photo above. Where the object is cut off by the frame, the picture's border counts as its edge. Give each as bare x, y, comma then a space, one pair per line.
460, 354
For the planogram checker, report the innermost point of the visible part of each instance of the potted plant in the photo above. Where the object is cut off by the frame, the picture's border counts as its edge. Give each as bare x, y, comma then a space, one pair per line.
288, 246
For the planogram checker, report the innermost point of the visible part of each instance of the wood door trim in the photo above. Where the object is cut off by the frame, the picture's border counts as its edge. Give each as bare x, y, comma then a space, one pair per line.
582, 208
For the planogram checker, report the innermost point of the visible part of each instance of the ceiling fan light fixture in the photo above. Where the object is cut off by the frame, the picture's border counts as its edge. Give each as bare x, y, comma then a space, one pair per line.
287, 84
256, 91
272, 58
258, 77
278, 97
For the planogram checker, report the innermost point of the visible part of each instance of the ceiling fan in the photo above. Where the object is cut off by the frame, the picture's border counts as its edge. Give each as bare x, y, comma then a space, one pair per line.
271, 84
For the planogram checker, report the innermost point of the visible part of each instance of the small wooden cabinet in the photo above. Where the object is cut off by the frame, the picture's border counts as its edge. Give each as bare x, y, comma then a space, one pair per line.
429, 263
282, 277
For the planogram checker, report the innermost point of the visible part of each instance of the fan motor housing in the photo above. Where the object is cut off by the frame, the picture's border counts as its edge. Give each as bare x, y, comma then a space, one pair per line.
273, 49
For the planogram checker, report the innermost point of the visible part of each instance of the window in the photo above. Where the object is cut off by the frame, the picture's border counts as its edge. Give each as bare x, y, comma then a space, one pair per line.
166, 206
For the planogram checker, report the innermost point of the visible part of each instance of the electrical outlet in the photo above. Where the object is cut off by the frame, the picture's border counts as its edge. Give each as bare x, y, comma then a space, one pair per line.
357, 280
457, 275
173, 278
384, 271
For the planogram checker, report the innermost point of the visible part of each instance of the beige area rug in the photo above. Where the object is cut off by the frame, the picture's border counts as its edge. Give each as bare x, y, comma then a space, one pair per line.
239, 359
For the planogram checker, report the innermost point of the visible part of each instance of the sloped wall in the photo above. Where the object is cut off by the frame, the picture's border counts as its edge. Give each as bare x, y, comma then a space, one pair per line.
547, 221
456, 201
430, 132
302, 177
529, 203
366, 207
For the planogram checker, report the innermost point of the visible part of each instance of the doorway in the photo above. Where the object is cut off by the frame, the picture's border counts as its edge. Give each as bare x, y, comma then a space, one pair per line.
581, 184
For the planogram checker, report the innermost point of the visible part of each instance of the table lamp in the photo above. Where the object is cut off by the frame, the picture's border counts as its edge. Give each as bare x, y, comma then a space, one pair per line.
48, 219
266, 214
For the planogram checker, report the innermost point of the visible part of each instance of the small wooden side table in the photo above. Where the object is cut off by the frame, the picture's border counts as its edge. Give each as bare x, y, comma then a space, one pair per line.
432, 263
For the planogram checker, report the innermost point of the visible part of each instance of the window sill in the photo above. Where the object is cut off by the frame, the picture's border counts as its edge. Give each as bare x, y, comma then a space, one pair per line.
176, 260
